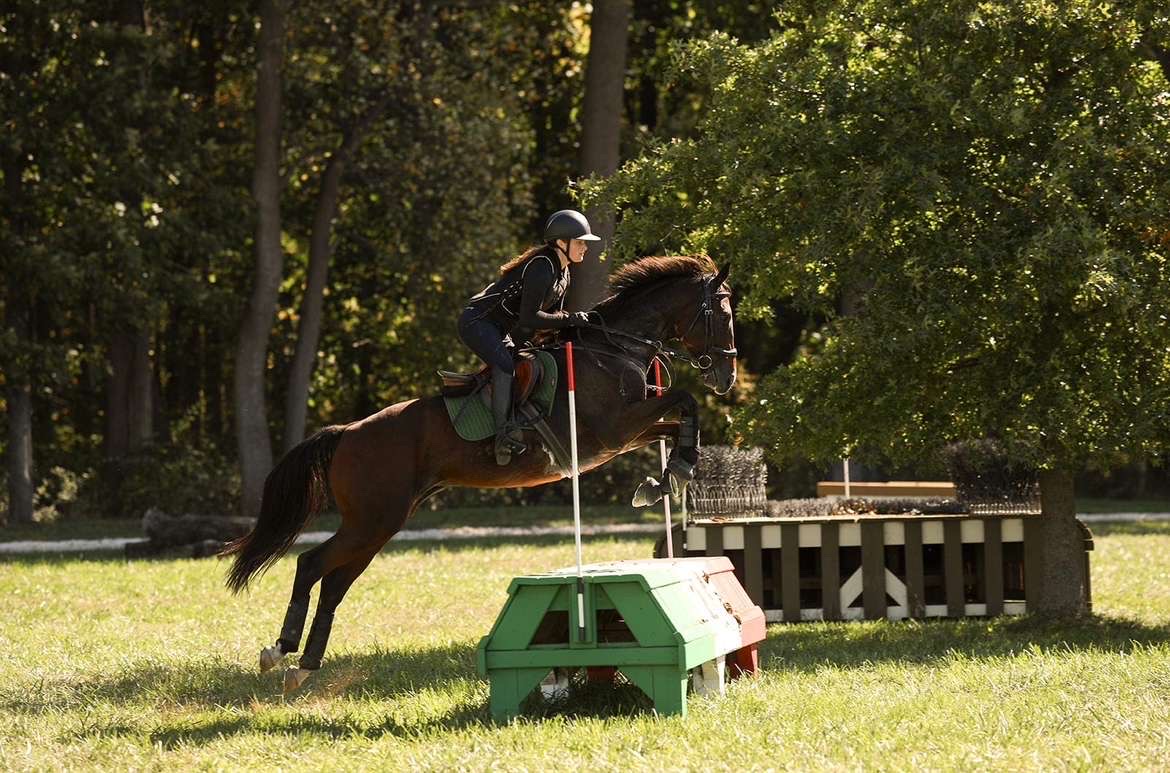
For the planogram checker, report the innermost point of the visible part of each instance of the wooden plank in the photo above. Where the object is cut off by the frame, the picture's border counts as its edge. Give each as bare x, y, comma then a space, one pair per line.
993, 564
830, 572
753, 564
915, 585
774, 559
790, 571
1033, 562
953, 568
714, 540
873, 571
893, 488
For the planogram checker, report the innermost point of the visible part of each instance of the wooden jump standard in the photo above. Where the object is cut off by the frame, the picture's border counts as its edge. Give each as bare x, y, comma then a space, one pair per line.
881, 566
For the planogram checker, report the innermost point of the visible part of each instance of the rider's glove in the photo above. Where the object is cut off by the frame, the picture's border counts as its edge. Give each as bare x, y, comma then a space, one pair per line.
579, 319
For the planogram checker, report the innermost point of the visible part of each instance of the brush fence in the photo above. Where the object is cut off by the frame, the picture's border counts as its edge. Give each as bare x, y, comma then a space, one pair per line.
872, 567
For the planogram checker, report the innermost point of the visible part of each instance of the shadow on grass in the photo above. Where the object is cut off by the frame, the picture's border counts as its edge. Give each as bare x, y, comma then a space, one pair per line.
809, 646
380, 692
216, 683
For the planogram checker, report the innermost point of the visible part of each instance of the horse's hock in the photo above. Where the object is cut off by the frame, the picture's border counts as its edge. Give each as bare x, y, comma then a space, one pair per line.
868, 566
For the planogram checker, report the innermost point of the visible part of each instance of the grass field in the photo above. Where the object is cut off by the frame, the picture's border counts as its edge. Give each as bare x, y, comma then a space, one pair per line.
151, 665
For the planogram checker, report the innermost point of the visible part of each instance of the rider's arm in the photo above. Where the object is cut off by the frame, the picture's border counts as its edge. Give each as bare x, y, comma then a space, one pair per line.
538, 278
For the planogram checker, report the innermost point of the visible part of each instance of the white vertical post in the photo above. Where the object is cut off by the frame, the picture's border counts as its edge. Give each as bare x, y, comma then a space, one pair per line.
662, 453
576, 490
845, 463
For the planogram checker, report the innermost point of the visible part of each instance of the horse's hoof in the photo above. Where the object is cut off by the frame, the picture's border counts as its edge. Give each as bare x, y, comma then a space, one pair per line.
294, 678
270, 657
649, 492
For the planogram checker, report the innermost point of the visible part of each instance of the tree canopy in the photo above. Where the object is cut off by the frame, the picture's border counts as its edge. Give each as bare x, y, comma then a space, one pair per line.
975, 196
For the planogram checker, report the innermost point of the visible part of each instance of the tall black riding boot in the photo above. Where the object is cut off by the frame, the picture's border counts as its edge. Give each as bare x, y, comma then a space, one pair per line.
509, 439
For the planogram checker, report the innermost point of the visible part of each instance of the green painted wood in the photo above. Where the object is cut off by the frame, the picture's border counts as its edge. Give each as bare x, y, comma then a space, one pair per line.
915, 582
651, 624
830, 571
509, 688
873, 570
753, 564
602, 655
521, 616
953, 568
993, 564
666, 687
656, 599
790, 570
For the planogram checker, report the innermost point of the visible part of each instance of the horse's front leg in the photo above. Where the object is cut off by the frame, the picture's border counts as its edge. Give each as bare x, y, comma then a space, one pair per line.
680, 465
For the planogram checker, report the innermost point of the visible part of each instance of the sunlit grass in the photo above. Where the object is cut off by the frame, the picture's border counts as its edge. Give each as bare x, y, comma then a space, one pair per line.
109, 664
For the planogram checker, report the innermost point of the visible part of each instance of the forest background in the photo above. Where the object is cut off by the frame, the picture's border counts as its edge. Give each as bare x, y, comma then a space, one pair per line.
226, 224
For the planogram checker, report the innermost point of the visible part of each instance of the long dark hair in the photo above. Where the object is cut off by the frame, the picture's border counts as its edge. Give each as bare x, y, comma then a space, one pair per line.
516, 261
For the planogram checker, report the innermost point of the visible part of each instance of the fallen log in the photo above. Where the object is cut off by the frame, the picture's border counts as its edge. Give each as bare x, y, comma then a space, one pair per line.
188, 535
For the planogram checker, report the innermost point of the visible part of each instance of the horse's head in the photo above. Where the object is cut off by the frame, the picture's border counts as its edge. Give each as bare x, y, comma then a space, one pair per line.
710, 336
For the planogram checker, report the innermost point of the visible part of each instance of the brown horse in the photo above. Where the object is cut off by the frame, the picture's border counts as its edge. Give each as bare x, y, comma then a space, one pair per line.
381, 468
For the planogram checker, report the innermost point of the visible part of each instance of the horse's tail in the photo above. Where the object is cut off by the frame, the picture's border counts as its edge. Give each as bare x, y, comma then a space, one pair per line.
295, 490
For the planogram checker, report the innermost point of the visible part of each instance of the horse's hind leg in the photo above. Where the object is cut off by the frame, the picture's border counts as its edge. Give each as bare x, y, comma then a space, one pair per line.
310, 568
333, 589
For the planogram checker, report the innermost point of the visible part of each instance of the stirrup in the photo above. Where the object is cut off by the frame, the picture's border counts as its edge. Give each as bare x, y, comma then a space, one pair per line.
509, 444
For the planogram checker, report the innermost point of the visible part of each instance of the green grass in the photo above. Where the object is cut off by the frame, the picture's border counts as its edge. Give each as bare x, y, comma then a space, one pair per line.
1123, 505
110, 664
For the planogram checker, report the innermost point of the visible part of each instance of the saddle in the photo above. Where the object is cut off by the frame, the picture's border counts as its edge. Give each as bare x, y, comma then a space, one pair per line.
468, 400
527, 377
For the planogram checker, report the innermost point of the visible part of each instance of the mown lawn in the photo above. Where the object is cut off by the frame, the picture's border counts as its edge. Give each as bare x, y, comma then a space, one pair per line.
109, 664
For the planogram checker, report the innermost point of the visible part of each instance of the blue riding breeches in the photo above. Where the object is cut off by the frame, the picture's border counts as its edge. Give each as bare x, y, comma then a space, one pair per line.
486, 340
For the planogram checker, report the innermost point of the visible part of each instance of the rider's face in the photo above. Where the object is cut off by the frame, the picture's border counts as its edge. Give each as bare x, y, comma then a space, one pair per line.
576, 250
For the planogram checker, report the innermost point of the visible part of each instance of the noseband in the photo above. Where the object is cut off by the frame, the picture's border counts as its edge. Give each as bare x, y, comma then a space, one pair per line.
704, 362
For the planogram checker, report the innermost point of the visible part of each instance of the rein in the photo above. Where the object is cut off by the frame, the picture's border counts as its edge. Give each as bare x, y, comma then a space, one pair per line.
659, 350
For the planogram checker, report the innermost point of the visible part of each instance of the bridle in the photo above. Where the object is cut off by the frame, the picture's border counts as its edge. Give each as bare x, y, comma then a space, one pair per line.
707, 313
702, 362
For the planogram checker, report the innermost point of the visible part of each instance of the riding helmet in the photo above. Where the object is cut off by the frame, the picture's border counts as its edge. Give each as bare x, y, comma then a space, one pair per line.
568, 224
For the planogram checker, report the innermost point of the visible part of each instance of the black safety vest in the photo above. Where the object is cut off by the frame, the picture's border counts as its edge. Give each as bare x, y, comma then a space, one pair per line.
500, 301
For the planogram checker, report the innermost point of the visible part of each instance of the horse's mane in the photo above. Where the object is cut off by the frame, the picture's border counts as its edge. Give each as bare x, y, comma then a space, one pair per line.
634, 277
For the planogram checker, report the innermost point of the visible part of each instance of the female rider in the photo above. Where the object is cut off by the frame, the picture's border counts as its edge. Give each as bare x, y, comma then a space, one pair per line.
518, 304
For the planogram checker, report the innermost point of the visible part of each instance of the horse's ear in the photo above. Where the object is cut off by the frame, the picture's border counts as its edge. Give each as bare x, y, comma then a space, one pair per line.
721, 277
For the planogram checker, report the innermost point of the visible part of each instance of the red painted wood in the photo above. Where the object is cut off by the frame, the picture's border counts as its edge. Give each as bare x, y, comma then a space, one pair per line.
744, 662
569, 365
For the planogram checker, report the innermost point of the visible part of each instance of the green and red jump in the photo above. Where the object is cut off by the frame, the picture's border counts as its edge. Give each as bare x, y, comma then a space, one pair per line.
660, 622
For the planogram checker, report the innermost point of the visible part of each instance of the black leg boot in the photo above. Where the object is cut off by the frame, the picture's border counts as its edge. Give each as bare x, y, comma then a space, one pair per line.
509, 440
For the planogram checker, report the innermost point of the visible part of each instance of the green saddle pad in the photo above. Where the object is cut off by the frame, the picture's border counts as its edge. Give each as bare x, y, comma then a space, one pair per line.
473, 419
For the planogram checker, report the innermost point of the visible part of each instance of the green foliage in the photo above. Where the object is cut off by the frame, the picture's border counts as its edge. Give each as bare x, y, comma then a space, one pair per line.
176, 479
984, 471
983, 187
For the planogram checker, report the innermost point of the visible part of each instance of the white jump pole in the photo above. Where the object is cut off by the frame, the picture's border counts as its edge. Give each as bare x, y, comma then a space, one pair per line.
845, 465
662, 453
576, 490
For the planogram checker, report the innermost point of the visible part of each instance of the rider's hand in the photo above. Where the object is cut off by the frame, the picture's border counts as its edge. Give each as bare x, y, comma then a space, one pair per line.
579, 319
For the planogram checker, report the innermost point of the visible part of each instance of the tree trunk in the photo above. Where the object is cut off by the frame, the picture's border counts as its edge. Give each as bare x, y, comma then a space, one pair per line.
254, 443
129, 395
320, 253
601, 131
17, 310
1063, 578
20, 415
309, 326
